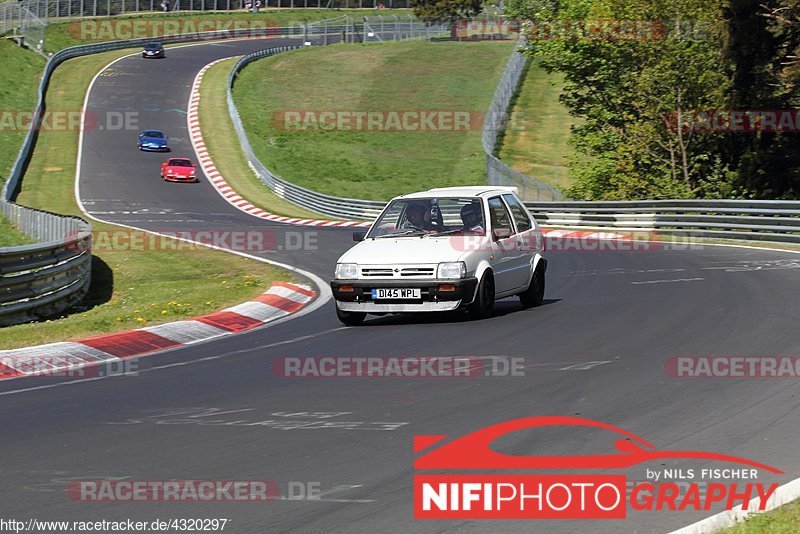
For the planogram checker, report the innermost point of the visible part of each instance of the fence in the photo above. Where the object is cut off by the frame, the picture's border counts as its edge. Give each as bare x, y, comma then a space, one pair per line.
66, 9
497, 172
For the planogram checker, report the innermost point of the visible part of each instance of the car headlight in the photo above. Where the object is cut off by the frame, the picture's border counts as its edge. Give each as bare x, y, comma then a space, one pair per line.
452, 269
346, 271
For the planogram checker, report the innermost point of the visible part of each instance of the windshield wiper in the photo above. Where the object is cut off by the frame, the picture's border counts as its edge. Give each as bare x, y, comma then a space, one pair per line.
448, 232
407, 232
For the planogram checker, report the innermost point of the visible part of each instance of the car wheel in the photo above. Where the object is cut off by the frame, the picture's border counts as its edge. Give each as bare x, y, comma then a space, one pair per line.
483, 306
350, 318
534, 295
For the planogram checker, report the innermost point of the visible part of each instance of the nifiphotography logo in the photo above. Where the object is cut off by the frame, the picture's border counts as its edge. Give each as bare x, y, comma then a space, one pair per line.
570, 496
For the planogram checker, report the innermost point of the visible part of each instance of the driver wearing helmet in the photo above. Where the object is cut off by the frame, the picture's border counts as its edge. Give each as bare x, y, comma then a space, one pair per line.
471, 217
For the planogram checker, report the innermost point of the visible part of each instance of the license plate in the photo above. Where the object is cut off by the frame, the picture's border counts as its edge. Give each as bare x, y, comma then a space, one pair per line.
397, 293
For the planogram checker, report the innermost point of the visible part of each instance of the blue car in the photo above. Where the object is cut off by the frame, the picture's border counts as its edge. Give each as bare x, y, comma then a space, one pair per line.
153, 140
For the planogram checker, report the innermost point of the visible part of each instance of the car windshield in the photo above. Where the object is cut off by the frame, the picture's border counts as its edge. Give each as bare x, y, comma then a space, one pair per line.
153, 133
152, 46
414, 217
180, 163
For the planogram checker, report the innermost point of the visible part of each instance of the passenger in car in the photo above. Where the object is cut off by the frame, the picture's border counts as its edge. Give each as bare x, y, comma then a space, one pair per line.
471, 217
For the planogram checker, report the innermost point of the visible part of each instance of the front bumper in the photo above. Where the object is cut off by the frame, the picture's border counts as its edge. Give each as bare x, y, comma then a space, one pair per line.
433, 297
150, 148
181, 178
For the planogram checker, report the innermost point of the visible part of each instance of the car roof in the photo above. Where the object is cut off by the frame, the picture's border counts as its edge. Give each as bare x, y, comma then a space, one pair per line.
147, 132
463, 191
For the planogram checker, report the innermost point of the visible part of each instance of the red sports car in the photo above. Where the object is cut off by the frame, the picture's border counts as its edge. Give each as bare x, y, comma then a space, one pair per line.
178, 170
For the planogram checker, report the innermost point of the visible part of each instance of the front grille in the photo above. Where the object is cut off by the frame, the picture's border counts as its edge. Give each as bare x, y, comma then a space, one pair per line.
368, 272
398, 271
426, 272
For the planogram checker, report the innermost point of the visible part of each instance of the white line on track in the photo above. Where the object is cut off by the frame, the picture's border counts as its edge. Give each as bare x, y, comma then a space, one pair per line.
177, 364
669, 281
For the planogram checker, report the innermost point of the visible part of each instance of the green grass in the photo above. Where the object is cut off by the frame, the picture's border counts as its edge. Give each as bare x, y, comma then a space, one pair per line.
10, 236
782, 520
131, 288
22, 70
70, 33
536, 141
406, 76
224, 149
17, 97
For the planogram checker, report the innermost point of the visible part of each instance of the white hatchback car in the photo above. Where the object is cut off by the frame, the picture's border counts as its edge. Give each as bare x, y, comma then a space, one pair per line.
441, 250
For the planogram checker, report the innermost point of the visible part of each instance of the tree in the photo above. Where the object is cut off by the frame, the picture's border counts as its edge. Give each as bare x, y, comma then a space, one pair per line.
439, 11
631, 67
763, 48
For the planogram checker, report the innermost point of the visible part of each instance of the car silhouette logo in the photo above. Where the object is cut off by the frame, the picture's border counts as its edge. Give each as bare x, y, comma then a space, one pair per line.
473, 450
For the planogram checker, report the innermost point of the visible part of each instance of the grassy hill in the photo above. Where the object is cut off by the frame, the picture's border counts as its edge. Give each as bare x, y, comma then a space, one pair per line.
22, 69
440, 78
536, 141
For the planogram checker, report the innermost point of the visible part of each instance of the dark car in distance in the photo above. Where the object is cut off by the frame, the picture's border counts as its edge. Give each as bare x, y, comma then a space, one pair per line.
153, 50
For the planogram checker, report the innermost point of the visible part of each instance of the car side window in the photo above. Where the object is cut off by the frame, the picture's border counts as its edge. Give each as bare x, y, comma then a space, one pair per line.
499, 215
519, 212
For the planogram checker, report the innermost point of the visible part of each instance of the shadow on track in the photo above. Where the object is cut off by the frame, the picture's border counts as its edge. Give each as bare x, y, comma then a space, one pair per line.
501, 309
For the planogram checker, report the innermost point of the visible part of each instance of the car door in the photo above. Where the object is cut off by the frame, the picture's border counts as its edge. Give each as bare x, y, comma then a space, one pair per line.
526, 242
503, 248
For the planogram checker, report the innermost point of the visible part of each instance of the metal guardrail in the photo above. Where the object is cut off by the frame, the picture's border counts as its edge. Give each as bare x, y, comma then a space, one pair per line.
346, 208
759, 220
494, 124
45, 278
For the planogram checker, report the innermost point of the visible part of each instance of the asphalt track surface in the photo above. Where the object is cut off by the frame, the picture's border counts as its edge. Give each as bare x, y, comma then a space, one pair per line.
167, 422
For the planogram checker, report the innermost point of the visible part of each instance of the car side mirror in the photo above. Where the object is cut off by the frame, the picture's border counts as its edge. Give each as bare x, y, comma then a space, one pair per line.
359, 236
501, 233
